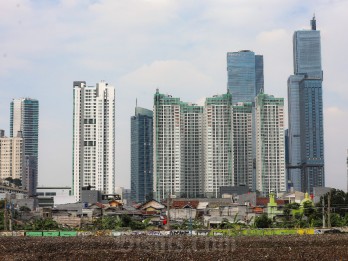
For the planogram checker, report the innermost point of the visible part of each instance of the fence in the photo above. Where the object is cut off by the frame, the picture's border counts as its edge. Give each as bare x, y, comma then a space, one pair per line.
214, 232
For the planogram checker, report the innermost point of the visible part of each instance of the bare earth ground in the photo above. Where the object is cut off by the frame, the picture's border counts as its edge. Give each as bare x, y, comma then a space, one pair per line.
294, 247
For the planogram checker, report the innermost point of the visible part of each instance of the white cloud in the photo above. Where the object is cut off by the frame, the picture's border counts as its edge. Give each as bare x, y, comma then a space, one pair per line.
179, 78
336, 145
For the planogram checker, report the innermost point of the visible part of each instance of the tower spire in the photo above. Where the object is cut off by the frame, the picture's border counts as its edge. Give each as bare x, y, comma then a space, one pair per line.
314, 23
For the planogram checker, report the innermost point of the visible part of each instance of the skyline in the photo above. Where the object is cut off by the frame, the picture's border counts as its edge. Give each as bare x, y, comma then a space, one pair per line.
175, 46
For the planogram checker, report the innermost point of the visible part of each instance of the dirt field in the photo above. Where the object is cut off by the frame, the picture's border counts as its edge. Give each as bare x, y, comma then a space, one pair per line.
313, 247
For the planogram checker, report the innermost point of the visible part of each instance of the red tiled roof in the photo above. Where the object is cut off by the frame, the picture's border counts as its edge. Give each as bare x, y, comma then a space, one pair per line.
183, 203
280, 201
100, 205
265, 201
257, 210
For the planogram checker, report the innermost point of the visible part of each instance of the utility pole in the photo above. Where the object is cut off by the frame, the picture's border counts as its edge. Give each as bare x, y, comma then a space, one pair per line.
323, 203
329, 210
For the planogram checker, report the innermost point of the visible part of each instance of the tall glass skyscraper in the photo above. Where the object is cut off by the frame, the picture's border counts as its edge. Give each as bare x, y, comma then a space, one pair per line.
24, 117
305, 105
245, 75
141, 155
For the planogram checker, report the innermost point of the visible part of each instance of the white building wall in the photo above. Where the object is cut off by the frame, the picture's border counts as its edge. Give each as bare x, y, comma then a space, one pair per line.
17, 116
217, 146
11, 158
270, 156
167, 156
242, 145
94, 138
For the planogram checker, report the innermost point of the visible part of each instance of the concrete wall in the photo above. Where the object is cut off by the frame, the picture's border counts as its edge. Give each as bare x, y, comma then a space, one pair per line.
181, 214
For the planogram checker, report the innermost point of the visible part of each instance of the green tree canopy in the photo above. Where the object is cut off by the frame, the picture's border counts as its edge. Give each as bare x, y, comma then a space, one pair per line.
263, 221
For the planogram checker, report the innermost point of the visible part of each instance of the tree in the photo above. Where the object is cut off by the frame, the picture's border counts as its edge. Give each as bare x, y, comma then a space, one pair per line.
24, 209
337, 220
225, 224
107, 222
339, 201
263, 221
17, 182
309, 212
137, 225
287, 211
126, 220
9, 179
44, 224
2, 204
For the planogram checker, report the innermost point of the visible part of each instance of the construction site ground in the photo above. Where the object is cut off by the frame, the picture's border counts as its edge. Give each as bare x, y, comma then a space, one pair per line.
292, 247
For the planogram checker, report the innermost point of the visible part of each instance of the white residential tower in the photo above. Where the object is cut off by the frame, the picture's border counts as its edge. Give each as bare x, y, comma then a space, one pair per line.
93, 137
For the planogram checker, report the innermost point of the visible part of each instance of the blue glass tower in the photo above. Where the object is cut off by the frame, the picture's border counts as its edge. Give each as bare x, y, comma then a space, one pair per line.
306, 134
245, 75
141, 155
24, 117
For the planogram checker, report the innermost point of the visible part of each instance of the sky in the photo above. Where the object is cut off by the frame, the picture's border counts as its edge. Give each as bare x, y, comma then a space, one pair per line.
177, 46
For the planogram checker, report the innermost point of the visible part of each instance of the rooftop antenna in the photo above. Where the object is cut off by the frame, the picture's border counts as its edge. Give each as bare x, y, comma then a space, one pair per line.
314, 23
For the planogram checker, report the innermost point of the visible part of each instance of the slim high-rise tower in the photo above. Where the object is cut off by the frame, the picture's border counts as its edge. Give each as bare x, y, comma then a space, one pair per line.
270, 156
141, 155
93, 137
25, 119
242, 146
305, 105
245, 75
217, 142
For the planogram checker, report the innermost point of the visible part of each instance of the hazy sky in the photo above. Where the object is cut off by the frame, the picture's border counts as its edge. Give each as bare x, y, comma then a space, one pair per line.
178, 46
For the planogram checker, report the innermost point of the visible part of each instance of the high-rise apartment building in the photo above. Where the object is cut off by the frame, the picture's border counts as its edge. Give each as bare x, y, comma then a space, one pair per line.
245, 75
270, 151
25, 119
199, 149
142, 155
217, 142
245, 82
167, 146
305, 106
12, 163
192, 150
242, 145
93, 137
177, 139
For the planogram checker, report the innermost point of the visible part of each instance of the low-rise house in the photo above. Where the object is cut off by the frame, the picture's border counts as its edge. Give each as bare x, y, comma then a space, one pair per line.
151, 207
183, 209
294, 197
66, 218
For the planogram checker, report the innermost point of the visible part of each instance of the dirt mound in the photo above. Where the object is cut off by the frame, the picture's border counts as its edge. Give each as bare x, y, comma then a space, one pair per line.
310, 247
